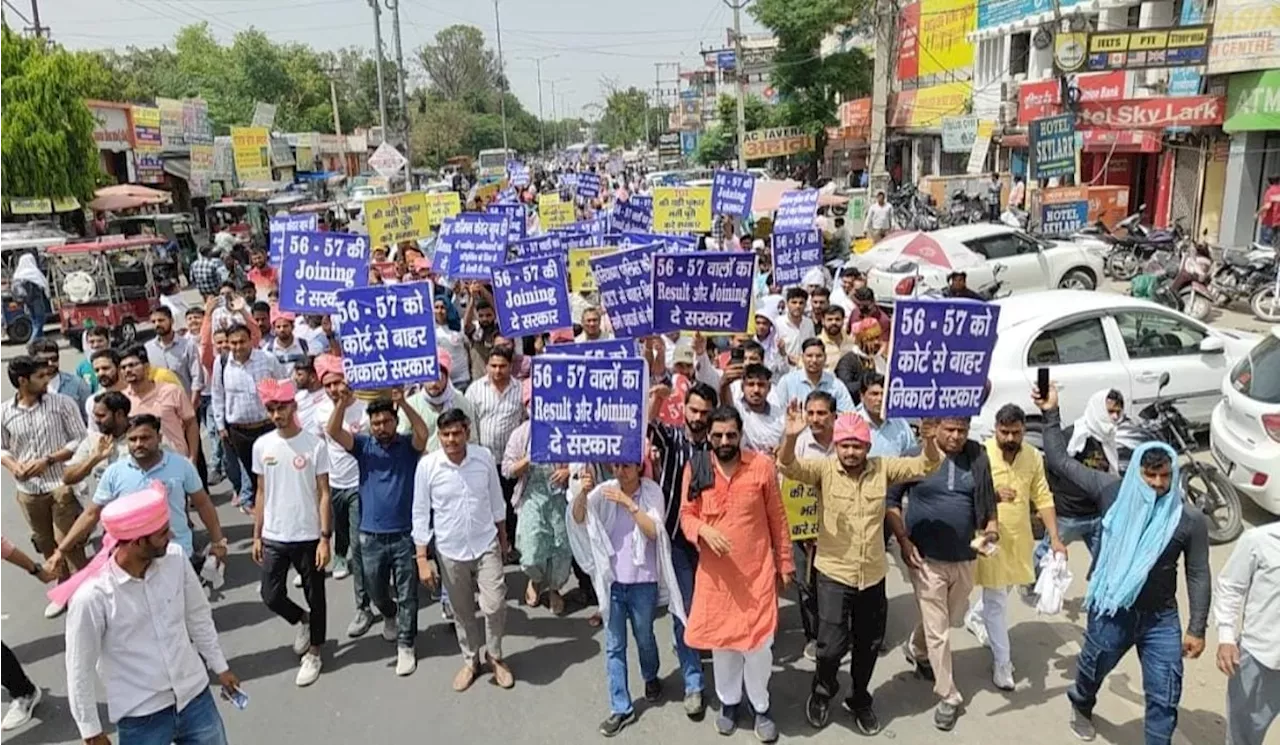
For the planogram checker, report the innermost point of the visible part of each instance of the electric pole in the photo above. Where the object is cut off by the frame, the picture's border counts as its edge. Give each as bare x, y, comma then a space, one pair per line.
542, 131
333, 98
502, 89
377, 49
394, 7
739, 76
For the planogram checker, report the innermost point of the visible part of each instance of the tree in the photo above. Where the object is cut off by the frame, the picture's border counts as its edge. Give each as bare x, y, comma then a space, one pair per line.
809, 84
48, 147
458, 64
623, 121
716, 145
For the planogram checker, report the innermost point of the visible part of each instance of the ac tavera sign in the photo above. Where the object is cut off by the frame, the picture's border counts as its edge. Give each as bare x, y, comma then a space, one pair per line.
771, 143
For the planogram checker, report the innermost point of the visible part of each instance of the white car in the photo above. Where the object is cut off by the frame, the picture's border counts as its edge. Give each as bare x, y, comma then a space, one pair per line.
1029, 263
1244, 434
1096, 340
361, 194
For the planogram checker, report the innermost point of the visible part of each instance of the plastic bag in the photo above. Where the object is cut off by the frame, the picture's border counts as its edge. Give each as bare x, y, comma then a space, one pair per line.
1051, 588
213, 571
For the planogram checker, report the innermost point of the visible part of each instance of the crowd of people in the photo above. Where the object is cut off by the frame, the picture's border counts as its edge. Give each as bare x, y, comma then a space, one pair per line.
433, 487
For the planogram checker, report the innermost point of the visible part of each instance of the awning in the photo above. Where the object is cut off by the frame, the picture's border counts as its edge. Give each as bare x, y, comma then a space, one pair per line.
1122, 141
179, 168
1015, 141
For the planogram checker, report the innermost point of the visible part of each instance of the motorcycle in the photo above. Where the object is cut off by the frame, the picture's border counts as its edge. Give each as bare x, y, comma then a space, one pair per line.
1125, 259
1204, 485
1241, 274
1156, 283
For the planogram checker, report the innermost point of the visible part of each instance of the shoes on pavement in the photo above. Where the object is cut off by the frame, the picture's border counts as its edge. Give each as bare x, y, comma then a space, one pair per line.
1002, 676
694, 707
406, 661
866, 720
390, 629
727, 721
766, 728
923, 669
359, 625
53, 610
309, 671
653, 690
446, 610
20, 710
614, 724
302, 639
975, 626
502, 674
465, 677
818, 711
944, 717
340, 568
1081, 725
811, 650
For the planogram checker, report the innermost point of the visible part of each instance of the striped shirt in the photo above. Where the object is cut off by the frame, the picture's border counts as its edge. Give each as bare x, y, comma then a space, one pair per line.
235, 397
674, 451
180, 357
33, 432
497, 413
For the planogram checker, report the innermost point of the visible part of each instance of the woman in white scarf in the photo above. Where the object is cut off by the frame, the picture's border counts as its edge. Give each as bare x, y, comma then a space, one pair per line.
32, 288
1101, 414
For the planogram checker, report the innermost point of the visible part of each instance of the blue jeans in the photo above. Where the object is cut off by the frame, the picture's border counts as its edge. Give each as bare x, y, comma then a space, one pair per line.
1088, 530
684, 560
1158, 637
637, 602
385, 557
199, 723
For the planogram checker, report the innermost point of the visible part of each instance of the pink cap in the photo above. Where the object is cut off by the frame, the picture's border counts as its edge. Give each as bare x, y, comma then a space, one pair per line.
326, 365
850, 426
444, 360
281, 315
138, 514
276, 391
562, 336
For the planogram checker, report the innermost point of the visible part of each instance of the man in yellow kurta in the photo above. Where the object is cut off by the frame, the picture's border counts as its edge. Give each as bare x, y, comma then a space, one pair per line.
1018, 474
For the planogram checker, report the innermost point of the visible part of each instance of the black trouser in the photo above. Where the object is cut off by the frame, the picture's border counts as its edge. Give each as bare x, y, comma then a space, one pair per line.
803, 551
15, 679
848, 615
508, 492
276, 559
241, 438
202, 470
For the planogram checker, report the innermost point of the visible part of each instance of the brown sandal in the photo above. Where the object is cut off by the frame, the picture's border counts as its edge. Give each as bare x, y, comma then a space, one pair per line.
465, 677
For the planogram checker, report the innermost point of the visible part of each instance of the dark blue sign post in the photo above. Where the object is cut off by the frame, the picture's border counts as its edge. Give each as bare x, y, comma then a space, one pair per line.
532, 297
794, 254
588, 410
707, 291
317, 265
940, 357
635, 214
625, 282
731, 193
1053, 146
388, 335
473, 244
610, 348
278, 226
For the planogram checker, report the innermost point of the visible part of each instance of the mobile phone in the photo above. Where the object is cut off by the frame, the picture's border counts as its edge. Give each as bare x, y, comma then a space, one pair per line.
1042, 382
737, 356
238, 698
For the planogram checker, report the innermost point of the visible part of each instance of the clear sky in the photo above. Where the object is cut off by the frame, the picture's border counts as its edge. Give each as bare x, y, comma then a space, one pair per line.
618, 40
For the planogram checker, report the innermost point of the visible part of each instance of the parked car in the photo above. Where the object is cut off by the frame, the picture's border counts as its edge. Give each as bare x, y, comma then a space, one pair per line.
1091, 341
1244, 434
1030, 263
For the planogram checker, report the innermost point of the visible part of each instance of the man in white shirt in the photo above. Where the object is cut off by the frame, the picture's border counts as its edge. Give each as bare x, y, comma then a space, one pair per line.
291, 521
879, 220
145, 618
458, 503
592, 326
1247, 593
309, 395
793, 326
763, 416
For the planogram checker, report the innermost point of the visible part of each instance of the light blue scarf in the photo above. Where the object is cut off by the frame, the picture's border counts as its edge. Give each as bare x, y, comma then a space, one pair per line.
1135, 531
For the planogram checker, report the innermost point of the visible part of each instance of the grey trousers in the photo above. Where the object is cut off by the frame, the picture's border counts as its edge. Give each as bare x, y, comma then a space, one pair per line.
462, 581
1253, 701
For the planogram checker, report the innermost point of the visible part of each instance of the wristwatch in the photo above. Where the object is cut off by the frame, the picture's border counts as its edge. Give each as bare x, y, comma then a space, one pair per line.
326, 534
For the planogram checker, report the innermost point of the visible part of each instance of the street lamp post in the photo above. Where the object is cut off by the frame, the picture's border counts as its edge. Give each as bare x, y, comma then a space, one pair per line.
542, 130
502, 92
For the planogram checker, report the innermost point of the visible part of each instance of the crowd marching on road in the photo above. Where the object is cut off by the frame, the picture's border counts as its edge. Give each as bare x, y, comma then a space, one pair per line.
410, 491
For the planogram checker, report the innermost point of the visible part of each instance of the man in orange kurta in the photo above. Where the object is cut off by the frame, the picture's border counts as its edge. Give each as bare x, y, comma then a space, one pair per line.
734, 515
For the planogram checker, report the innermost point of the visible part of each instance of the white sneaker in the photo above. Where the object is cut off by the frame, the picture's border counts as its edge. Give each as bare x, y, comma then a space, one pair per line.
976, 627
20, 710
302, 641
53, 610
406, 661
297, 580
340, 568
1003, 676
309, 670
390, 629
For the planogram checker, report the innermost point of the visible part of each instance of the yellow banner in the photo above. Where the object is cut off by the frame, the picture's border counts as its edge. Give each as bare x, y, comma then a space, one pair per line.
30, 205
553, 213
682, 209
440, 206
801, 503
251, 147
934, 103
402, 217
580, 277
943, 25
65, 204
486, 193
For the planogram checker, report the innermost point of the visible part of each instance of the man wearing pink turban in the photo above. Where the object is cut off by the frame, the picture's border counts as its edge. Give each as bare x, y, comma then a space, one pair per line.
850, 559
144, 616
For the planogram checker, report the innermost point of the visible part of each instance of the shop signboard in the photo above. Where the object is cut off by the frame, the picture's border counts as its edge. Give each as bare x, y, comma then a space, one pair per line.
1152, 113
1053, 143
1253, 102
958, 133
944, 25
1063, 209
112, 129
1246, 36
1044, 97
777, 141
908, 63
1175, 46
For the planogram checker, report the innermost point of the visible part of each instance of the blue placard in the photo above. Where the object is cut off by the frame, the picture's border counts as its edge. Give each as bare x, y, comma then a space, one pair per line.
797, 210
1063, 218
506, 196
278, 226
596, 227
731, 193
1053, 143
516, 221
940, 357
532, 297
588, 410
602, 348
794, 254
318, 264
518, 173
625, 283
671, 241
635, 214
537, 247
725, 60
588, 185
572, 239
703, 291
473, 243
388, 335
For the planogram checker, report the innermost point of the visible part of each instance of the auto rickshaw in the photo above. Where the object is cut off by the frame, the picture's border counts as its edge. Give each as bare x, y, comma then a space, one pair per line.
112, 282
244, 219
178, 228
17, 240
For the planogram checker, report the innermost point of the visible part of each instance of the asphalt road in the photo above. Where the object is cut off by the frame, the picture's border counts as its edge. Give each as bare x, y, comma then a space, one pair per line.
561, 692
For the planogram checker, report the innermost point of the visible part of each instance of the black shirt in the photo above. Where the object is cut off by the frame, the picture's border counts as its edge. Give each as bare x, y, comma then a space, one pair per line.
675, 449
1070, 500
946, 508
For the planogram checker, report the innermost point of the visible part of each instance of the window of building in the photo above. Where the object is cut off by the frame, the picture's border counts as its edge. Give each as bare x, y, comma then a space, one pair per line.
1019, 52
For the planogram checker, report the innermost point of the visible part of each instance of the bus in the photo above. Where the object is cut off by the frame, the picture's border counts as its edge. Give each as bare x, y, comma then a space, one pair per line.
491, 165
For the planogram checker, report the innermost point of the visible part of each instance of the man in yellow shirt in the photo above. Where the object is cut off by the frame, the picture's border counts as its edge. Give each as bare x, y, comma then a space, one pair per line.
1018, 475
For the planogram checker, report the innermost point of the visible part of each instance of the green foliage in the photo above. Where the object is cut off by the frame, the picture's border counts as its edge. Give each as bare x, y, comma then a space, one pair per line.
625, 112
716, 145
48, 147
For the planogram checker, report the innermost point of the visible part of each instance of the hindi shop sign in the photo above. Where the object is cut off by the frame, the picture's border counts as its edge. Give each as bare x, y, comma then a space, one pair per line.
635, 214
731, 193
532, 297
771, 143
317, 265
940, 357
625, 282
1063, 210
473, 244
704, 291
1053, 144
794, 254
588, 410
401, 217
797, 210
602, 348
682, 209
388, 335
278, 226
